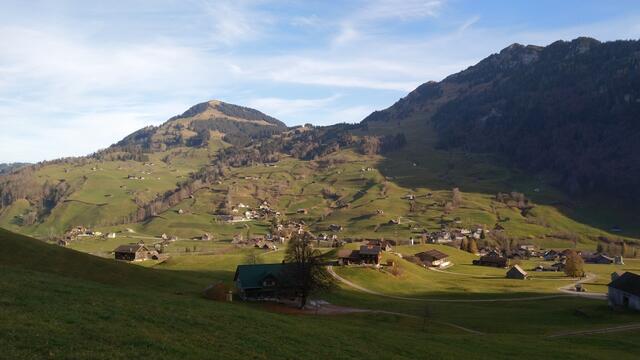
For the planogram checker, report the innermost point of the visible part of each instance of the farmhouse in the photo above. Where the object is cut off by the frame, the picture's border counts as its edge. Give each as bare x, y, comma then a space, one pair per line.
132, 252
624, 291
370, 254
600, 259
433, 258
516, 272
495, 261
264, 282
385, 245
347, 257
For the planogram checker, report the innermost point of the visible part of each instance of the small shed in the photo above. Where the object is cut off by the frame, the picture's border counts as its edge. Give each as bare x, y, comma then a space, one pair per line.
624, 291
516, 272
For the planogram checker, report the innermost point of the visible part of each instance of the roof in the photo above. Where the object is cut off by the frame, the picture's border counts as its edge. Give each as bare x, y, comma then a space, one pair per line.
130, 248
432, 254
518, 269
627, 282
347, 253
370, 250
251, 276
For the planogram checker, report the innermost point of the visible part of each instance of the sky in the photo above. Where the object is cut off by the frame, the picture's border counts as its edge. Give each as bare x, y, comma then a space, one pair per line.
77, 76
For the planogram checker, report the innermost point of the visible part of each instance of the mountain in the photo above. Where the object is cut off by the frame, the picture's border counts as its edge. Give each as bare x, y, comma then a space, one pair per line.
6, 168
237, 124
568, 111
502, 132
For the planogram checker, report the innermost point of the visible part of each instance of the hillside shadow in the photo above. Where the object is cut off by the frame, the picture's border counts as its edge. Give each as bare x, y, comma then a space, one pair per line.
438, 170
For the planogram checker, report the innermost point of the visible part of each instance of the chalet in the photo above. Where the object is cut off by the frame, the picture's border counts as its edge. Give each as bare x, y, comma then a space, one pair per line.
495, 261
348, 257
370, 254
516, 272
111, 235
600, 259
206, 237
624, 291
264, 282
335, 227
433, 258
132, 252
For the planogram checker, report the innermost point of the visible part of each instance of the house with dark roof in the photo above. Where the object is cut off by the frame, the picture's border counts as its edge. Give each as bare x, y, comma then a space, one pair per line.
624, 291
370, 254
433, 258
132, 252
495, 261
348, 257
516, 272
264, 282
600, 259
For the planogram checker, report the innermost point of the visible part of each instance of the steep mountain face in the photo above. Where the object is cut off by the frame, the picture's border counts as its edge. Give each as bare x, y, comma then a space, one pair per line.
193, 128
569, 109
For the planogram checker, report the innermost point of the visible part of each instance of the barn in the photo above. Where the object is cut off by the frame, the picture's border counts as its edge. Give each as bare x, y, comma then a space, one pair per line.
132, 252
516, 272
624, 291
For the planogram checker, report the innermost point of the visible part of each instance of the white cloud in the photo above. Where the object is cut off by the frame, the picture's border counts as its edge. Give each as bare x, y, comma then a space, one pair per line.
400, 9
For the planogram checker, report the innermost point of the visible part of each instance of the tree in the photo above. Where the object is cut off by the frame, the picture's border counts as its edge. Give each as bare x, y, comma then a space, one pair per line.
456, 197
464, 245
473, 246
574, 266
599, 248
307, 272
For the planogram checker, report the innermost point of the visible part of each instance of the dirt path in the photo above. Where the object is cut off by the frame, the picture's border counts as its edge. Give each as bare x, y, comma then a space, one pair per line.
368, 291
330, 309
570, 289
608, 330
530, 298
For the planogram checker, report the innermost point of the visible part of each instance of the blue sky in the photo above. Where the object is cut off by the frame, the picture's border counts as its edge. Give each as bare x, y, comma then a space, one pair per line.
76, 76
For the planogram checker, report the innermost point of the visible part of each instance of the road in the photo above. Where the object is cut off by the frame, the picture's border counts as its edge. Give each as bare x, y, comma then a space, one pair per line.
565, 289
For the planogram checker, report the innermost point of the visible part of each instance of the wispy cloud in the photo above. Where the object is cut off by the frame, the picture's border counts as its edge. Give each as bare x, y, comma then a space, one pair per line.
79, 76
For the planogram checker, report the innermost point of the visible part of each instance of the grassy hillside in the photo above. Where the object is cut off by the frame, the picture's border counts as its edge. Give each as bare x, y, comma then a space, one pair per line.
61, 304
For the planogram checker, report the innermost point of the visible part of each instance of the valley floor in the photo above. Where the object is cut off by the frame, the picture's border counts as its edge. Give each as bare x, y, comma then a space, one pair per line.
61, 304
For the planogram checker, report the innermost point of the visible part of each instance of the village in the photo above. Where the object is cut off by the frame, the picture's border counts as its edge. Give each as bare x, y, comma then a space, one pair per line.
269, 281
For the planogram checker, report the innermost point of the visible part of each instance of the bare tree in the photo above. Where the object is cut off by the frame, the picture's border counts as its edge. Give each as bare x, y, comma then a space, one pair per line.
307, 271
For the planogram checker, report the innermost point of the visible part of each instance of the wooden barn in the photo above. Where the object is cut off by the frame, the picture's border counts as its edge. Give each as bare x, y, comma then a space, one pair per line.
516, 272
624, 292
132, 252
348, 257
370, 254
495, 261
433, 258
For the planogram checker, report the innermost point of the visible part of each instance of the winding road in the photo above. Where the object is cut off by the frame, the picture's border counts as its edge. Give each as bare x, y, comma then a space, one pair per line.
566, 290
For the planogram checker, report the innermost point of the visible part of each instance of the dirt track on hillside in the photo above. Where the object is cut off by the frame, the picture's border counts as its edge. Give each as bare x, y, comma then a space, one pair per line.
565, 289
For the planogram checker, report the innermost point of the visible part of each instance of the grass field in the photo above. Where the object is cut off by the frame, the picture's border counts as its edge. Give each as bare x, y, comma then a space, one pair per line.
62, 304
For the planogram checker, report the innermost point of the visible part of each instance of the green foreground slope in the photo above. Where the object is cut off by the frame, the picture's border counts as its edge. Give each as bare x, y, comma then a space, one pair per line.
59, 304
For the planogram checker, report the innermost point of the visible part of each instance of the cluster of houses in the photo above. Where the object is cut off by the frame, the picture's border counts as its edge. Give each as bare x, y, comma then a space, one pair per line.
81, 231
242, 212
455, 236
